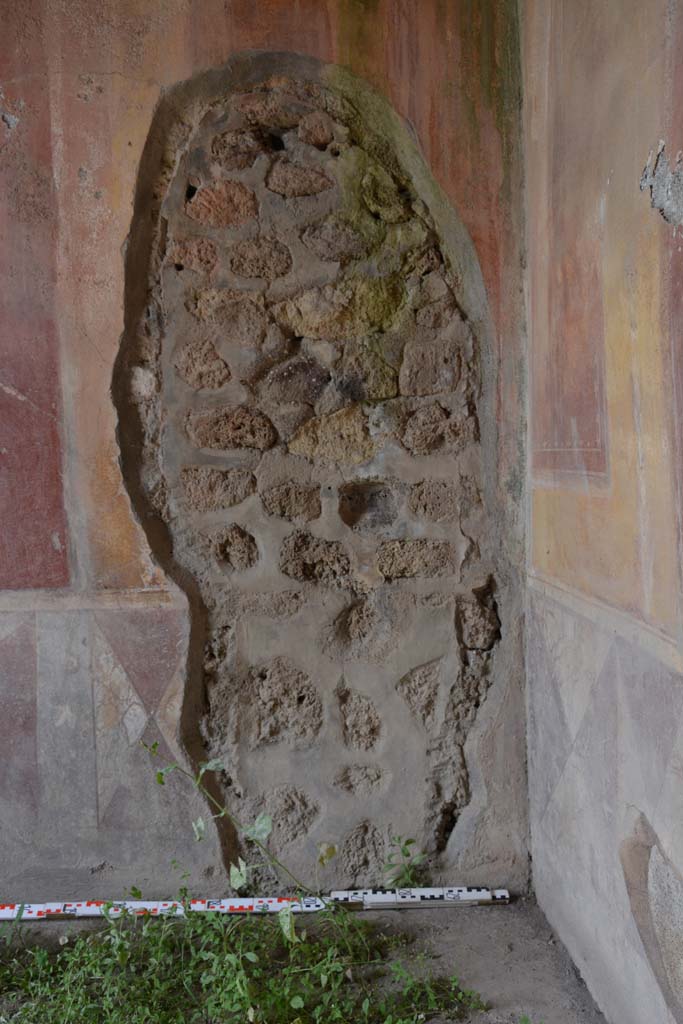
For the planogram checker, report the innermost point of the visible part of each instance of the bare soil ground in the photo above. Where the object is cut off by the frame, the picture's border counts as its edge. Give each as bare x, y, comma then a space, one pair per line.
509, 954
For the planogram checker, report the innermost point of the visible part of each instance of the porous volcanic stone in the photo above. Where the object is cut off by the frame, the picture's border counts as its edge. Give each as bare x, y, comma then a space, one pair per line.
260, 257
362, 854
398, 559
291, 810
436, 500
359, 779
316, 129
341, 437
334, 241
424, 430
207, 489
300, 379
286, 703
420, 689
226, 204
478, 620
367, 505
200, 366
292, 501
430, 367
226, 428
271, 109
289, 179
236, 150
235, 549
360, 720
197, 254
242, 320
313, 559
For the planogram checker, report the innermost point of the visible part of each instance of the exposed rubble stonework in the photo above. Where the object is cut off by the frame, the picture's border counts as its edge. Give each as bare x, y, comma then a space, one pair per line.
310, 453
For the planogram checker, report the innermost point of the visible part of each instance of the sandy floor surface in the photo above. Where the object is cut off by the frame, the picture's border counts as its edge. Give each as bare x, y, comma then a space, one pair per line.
509, 955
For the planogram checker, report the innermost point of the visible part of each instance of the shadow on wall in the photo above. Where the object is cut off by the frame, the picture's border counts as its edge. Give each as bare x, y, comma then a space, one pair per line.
304, 399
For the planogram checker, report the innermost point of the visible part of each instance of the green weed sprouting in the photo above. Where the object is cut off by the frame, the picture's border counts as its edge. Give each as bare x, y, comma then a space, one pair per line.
212, 969
404, 867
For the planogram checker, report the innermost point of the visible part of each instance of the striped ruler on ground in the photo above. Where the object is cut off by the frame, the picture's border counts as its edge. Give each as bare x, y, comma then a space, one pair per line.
357, 899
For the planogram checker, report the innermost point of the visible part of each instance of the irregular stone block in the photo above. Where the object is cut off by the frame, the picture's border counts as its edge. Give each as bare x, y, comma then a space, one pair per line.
363, 854
365, 373
313, 559
226, 204
381, 195
341, 437
353, 308
361, 724
271, 109
291, 810
292, 501
241, 319
430, 367
207, 489
442, 312
197, 254
359, 779
265, 258
286, 704
290, 180
424, 430
201, 367
367, 505
237, 150
316, 129
397, 559
271, 703
478, 621
430, 428
420, 690
226, 428
235, 549
334, 241
297, 380
369, 628
436, 500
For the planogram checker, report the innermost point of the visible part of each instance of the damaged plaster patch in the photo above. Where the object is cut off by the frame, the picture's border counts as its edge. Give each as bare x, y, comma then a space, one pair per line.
8, 119
303, 356
665, 184
12, 392
11, 120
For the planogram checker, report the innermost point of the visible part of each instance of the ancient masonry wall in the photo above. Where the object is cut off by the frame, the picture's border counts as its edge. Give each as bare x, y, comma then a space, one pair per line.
308, 466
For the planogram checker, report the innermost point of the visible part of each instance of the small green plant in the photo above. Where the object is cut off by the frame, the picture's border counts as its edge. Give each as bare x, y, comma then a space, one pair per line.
403, 867
206, 967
